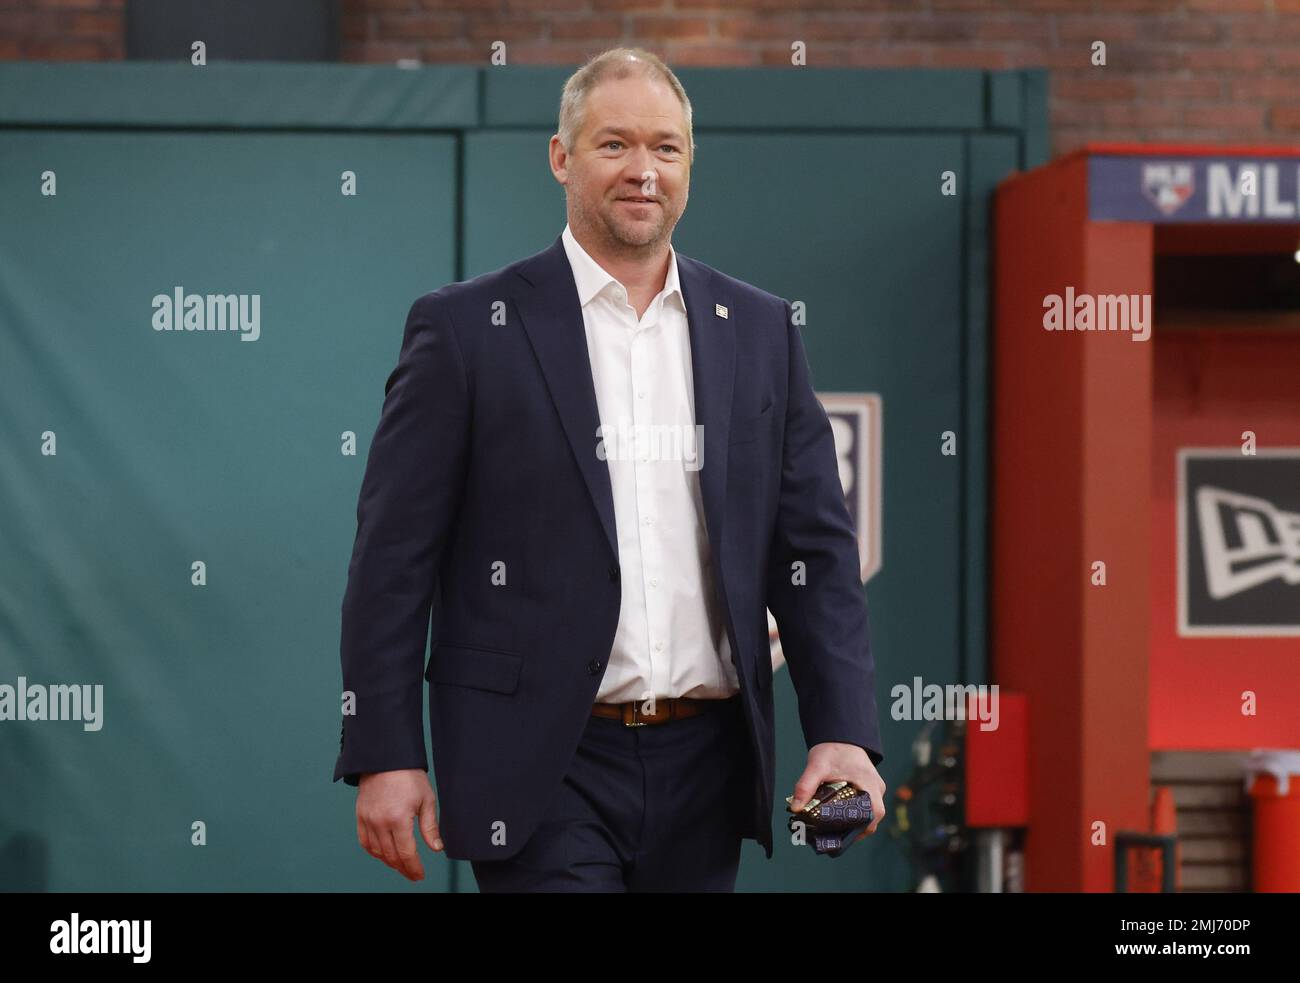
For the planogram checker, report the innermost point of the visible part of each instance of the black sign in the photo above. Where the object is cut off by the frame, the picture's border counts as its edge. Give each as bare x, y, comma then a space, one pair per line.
1238, 542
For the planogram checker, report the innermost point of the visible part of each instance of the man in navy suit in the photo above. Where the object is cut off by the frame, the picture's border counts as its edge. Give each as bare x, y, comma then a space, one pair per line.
599, 467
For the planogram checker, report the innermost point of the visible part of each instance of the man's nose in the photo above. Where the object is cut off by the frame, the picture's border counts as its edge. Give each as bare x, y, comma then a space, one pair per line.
642, 172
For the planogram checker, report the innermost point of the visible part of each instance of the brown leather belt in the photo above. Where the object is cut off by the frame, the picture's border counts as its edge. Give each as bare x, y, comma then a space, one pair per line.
633, 712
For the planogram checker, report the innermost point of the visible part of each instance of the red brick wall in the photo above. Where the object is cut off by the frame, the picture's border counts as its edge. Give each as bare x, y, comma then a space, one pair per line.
1201, 70
60, 30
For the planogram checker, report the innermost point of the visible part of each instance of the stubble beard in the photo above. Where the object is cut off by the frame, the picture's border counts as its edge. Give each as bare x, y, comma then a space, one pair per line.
621, 238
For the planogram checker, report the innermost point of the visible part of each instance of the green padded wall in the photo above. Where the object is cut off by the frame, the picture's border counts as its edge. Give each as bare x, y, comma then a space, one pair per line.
221, 700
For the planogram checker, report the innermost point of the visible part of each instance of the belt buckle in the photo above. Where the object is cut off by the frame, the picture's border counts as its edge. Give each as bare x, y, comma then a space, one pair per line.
633, 722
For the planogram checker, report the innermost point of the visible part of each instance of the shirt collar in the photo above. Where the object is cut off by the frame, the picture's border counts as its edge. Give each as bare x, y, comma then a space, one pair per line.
591, 278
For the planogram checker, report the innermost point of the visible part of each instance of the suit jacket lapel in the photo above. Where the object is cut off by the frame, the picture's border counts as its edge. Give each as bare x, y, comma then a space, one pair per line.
713, 362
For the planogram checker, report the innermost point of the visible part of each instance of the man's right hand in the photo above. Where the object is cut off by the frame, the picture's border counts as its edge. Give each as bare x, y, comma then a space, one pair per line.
386, 803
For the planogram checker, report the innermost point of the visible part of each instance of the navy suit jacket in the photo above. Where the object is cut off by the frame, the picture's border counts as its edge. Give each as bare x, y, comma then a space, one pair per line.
484, 462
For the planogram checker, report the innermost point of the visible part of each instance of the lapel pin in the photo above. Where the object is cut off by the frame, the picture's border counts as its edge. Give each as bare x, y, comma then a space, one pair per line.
719, 310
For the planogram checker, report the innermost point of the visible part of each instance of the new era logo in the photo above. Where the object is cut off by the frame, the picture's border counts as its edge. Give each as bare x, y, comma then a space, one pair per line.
1238, 539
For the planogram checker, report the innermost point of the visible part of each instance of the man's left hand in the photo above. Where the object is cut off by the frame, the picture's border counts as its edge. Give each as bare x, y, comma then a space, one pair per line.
832, 762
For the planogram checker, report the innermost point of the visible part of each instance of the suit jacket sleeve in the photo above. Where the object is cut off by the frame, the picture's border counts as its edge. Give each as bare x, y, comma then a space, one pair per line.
409, 499
823, 621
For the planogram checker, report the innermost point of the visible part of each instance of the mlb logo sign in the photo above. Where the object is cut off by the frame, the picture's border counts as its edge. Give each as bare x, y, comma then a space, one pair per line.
1168, 185
1238, 542
855, 420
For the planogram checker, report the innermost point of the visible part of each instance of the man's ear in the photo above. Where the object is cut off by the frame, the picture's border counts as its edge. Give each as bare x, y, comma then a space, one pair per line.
558, 159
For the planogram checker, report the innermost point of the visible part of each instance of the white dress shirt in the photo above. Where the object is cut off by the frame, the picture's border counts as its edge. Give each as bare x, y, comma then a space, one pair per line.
671, 638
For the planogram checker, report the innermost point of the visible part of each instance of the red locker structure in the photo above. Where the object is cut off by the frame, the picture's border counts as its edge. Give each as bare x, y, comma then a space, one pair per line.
1145, 525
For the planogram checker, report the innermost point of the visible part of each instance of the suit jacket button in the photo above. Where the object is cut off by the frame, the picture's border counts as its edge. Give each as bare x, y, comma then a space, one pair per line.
594, 666
613, 574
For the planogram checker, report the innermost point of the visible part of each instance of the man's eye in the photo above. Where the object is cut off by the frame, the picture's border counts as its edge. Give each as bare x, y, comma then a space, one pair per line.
611, 143
669, 146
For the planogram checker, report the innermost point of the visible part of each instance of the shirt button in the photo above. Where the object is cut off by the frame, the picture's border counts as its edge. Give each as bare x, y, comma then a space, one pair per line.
659, 646
646, 521
654, 581
594, 666
641, 395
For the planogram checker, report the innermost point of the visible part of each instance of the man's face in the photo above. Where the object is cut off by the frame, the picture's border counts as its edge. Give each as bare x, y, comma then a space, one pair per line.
632, 145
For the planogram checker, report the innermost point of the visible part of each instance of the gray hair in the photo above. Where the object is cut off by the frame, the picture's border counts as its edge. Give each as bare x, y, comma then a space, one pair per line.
616, 63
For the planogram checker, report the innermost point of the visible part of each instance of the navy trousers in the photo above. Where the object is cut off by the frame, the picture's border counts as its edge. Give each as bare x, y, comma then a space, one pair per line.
656, 808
